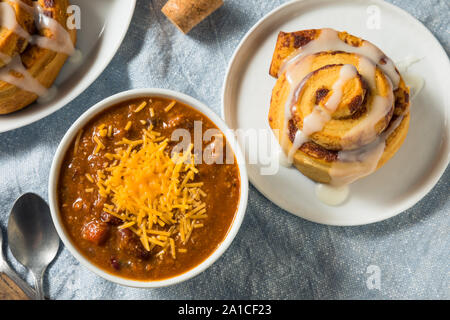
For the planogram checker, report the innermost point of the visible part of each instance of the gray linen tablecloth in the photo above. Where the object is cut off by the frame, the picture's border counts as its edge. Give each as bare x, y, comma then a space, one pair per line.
275, 255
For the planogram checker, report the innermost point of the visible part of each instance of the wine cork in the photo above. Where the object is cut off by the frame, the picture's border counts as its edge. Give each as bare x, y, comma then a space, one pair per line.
186, 14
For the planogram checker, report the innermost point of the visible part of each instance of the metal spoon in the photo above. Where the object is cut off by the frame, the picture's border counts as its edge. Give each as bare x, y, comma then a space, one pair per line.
32, 237
5, 268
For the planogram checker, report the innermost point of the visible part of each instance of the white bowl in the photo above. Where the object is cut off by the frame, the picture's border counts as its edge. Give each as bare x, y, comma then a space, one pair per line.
82, 121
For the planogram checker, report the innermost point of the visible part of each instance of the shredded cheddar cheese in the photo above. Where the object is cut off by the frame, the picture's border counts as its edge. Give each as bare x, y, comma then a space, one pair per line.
170, 106
154, 194
140, 107
89, 177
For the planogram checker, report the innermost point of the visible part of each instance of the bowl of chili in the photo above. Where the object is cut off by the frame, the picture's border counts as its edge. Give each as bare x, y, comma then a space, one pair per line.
148, 188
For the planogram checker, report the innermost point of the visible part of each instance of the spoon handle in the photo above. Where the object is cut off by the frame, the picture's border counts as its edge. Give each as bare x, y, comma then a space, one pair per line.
12, 287
39, 284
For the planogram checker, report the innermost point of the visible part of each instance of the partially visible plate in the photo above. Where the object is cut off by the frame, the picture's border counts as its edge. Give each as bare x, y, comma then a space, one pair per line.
422, 159
104, 24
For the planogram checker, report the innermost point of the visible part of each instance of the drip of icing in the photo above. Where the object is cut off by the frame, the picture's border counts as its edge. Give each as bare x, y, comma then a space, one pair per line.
380, 106
329, 40
9, 21
413, 81
76, 58
364, 160
299, 140
48, 96
330, 195
283, 159
26, 82
404, 64
315, 121
347, 72
295, 75
61, 41
415, 84
367, 70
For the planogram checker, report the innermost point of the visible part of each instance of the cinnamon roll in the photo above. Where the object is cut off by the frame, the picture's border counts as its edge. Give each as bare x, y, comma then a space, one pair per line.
339, 108
35, 42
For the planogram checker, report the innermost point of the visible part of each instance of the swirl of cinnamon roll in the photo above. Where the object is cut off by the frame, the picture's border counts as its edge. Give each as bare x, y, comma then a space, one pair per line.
35, 42
339, 108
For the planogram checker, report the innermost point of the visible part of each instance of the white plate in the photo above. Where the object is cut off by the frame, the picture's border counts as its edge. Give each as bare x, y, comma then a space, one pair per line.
104, 24
422, 159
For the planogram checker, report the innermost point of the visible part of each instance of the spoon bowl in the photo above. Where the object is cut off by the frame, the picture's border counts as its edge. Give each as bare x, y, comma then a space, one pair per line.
32, 236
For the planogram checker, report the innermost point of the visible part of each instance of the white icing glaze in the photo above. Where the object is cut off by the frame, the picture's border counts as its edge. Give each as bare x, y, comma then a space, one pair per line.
76, 58
299, 140
347, 72
316, 120
364, 160
283, 159
330, 195
9, 21
61, 40
365, 129
26, 82
404, 64
48, 96
415, 83
295, 75
329, 40
367, 70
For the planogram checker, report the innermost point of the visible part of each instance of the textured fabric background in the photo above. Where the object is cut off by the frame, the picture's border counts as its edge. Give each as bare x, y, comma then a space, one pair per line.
275, 254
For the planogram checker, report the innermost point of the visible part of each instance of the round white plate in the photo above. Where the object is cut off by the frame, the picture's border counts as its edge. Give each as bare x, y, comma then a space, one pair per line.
422, 159
104, 24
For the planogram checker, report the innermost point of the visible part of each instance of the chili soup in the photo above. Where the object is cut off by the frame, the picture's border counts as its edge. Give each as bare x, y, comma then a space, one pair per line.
136, 207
